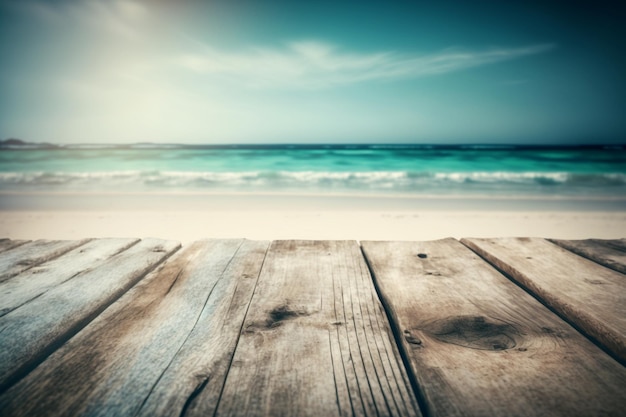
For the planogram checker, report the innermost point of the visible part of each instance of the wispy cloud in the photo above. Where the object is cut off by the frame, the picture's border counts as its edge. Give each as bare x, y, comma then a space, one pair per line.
129, 33
314, 64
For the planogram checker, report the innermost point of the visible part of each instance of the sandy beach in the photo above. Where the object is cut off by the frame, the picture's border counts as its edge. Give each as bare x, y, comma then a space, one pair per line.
187, 226
188, 217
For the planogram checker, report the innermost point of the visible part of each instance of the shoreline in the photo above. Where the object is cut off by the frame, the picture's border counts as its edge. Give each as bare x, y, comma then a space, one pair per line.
278, 201
313, 194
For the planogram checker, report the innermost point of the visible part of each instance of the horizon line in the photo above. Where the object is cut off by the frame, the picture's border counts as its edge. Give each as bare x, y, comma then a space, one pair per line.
19, 143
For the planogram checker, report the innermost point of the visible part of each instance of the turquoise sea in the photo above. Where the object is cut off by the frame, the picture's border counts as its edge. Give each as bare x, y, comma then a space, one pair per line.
420, 170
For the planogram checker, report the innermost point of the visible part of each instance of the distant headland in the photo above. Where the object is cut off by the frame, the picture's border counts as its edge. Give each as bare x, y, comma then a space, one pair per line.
13, 143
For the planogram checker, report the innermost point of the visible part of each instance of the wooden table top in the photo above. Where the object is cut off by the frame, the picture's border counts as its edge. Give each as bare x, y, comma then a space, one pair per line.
234, 327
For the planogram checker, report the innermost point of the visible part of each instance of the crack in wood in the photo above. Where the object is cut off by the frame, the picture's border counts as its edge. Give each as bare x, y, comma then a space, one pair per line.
332, 364
202, 383
178, 275
232, 361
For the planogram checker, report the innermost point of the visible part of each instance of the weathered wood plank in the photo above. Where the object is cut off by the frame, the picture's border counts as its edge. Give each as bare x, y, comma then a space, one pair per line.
316, 341
26, 256
478, 345
586, 294
32, 283
194, 379
604, 252
33, 331
6, 244
619, 244
162, 346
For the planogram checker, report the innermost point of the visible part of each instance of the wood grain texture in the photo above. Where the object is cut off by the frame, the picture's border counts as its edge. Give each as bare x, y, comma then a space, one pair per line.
619, 244
32, 283
163, 345
316, 341
193, 382
6, 244
33, 331
586, 294
478, 345
31, 254
609, 253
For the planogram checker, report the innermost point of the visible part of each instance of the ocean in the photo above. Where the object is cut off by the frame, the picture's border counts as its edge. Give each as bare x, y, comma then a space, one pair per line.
383, 170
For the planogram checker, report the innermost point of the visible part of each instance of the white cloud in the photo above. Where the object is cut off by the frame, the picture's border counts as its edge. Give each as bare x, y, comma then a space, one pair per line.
313, 64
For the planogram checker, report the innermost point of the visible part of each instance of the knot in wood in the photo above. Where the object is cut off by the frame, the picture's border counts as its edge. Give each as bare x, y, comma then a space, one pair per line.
474, 332
281, 313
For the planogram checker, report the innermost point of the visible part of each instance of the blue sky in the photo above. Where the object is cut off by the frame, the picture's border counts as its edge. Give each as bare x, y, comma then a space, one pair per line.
99, 71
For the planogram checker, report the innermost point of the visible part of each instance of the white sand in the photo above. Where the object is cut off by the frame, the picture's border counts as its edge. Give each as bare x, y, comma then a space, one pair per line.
187, 216
190, 225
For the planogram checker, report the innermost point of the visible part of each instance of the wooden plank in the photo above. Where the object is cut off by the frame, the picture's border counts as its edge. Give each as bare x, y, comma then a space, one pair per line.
316, 341
42, 325
159, 348
604, 252
37, 280
7, 244
478, 345
619, 244
26, 256
586, 294
193, 381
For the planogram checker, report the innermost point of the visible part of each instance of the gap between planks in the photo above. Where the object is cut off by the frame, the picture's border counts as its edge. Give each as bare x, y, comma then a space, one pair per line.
586, 294
43, 324
470, 356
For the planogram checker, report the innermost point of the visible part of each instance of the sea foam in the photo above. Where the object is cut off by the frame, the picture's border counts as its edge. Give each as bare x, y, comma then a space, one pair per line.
390, 181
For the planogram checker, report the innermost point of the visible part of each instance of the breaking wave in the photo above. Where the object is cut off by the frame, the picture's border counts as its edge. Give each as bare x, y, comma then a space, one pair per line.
387, 181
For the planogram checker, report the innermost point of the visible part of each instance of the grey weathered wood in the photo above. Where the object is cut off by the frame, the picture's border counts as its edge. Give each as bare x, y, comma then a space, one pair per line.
33, 331
26, 256
193, 381
167, 341
588, 295
604, 252
316, 341
619, 244
35, 281
6, 244
478, 345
